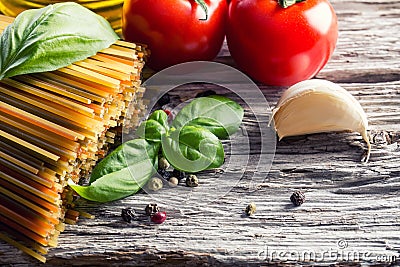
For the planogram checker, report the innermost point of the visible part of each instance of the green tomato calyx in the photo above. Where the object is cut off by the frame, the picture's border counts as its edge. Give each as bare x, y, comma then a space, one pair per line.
204, 7
288, 3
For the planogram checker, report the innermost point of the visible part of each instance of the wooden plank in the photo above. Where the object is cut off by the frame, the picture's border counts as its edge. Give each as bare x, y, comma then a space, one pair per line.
351, 208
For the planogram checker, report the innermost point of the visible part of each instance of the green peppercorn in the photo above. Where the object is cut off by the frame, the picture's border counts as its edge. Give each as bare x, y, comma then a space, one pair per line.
163, 164
173, 181
250, 209
192, 180
155, 184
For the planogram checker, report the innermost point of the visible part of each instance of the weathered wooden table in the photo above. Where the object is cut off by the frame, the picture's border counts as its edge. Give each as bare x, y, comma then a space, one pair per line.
352, 211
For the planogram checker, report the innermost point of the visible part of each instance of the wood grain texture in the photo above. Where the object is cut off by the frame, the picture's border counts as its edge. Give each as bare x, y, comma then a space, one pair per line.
352, 209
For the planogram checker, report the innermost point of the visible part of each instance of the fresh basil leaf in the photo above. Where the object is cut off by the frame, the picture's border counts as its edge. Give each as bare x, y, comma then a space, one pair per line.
126, 155
52, 37
154, 127
193, 149
117, 185
161, 117
122, 173
202, 111
212, 125
151, 130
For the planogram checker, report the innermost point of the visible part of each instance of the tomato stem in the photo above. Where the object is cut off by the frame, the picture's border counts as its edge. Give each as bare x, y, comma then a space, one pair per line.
203, 6
288, 3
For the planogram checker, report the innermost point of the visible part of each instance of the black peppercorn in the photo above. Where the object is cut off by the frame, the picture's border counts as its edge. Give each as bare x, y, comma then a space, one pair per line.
165, 99
128, 215
178, 174
298, 198
151, 209
164, 174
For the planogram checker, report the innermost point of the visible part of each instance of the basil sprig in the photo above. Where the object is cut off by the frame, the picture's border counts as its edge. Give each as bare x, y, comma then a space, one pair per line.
191, 144
52, 37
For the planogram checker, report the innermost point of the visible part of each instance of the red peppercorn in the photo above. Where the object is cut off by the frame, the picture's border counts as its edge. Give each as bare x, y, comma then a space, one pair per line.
159, 217
169, 114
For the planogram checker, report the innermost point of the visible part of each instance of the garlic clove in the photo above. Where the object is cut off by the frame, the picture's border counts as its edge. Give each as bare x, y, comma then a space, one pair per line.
315, 106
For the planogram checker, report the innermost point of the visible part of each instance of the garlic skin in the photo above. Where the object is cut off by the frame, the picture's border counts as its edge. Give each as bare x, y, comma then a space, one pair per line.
315, 106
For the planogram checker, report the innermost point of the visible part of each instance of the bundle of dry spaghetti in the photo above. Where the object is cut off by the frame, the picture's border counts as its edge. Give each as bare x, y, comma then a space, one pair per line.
109, 9
55, 126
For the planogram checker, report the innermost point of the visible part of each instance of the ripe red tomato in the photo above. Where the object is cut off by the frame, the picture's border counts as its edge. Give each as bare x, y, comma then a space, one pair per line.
281, 46
175, 30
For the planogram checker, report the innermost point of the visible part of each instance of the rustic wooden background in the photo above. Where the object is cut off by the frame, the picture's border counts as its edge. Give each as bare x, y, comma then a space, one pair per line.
352, 210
